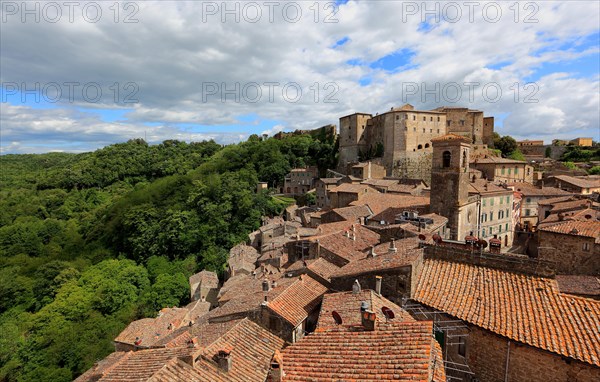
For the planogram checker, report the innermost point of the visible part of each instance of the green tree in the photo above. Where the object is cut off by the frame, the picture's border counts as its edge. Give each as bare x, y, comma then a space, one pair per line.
505, 144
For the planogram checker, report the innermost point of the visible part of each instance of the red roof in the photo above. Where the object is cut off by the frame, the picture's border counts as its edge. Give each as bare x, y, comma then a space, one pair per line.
298, 300
399, 351
347, 305
527, 309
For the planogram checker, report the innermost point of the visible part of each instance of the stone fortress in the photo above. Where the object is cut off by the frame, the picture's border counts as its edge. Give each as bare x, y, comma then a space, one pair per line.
402, 136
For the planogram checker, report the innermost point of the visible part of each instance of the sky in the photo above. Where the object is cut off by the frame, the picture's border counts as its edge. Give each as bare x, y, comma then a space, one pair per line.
78, 76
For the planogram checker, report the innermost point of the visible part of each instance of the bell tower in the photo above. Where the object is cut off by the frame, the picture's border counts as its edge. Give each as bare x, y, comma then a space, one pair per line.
450, 183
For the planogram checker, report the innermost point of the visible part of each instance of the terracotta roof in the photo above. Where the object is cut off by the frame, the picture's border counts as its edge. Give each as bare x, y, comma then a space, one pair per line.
346, 247
251, 349
497, 160
407, 253
404, 351
523, 308
569, 205
587, 214
352, 213
101, 367
558, 199
151, 330
578, 228
248, 298
482, 186
581, 285
379, 203
450, 137
242, 256
582, 182
330, 180
347, 305
323, 268
298, 300
207, 278
138, 366
530, 190
353, 188
176, 370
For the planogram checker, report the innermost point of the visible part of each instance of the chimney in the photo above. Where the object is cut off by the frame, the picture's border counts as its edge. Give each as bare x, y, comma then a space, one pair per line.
368, 320
378, 280
273, 284
353, 232
356, 287
224, 360
276, 373
393, 246
364, 306
347, 234
372, 252
266, 285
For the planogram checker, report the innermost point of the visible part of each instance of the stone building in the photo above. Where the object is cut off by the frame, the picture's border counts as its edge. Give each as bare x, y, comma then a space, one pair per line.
346, 193
367, 170
501, 322
504, 170
573, 246
530, 197
450, 186
300, 180
322, 188
404, 136
494, 211
204, 286
584, 185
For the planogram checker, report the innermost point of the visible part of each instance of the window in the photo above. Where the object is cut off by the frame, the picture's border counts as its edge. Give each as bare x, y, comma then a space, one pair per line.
430, 119
508, 199
462, 346
397, 117
586, 246
424, 118
500, 214
516, 171
438, 131
484, 218
483, 232
419, 147
491, 231
438, 119
426, 145
484, 202
491, 201
500, 228
503, 170
446, 156
491, 216
528, 200
448, 123
423, 130
509, 171
501, 200
462, 122
414, 117
506, 227
415, 129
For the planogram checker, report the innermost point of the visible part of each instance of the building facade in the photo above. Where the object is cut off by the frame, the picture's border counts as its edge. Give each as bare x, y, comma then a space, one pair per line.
404, 134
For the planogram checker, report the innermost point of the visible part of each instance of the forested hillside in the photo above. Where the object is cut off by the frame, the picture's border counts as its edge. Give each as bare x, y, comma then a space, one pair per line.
90, 242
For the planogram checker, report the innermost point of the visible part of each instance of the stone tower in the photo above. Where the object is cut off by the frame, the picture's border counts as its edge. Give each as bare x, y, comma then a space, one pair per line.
450, 184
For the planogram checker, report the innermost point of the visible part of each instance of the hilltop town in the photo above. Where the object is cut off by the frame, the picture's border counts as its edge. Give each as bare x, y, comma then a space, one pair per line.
423, 256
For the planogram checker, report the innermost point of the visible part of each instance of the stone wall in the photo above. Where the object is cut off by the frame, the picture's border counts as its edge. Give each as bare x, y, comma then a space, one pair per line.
487, 355
568, 254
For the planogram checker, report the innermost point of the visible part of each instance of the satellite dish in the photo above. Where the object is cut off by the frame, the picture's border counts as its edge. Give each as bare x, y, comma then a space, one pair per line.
422, 237
388, 313
337, 318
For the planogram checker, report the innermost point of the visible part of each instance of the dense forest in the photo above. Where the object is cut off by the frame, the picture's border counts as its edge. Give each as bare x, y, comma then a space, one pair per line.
90, 242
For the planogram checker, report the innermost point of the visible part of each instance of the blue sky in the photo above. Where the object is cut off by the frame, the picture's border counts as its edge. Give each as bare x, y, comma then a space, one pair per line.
357, 56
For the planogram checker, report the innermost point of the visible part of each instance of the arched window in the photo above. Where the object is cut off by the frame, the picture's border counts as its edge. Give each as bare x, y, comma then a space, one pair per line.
446, 156
426, 145
419, 147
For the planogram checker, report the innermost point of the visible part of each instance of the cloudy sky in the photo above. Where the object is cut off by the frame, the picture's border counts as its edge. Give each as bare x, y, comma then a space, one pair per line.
82, 75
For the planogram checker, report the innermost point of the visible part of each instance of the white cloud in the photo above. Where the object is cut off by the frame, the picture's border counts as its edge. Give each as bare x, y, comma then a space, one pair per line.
174, 57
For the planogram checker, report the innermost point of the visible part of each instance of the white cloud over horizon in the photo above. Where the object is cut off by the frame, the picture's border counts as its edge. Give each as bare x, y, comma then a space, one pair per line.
179, 64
